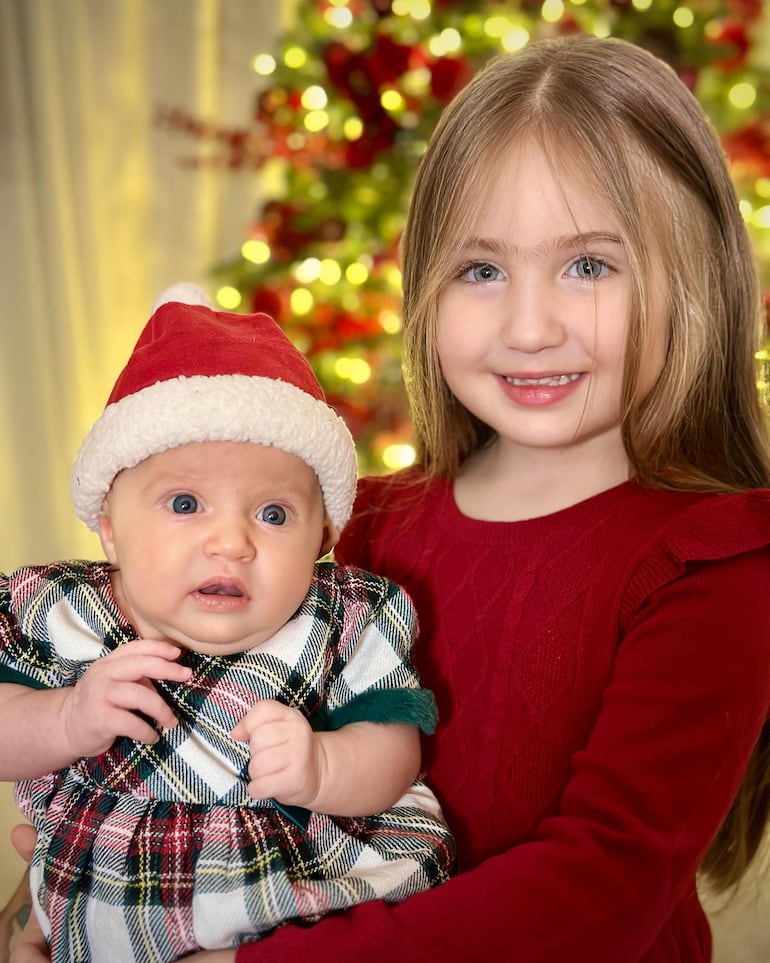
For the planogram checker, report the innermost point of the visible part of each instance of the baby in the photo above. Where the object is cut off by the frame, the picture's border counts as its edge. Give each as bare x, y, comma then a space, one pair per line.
214, 732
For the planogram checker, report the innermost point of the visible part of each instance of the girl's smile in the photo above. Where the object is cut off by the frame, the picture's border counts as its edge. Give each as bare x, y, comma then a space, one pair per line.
542, 389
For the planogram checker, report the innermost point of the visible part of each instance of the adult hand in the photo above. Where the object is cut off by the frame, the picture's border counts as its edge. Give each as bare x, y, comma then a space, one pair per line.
27, 943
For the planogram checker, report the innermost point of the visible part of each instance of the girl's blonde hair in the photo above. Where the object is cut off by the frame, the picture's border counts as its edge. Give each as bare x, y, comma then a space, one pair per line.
613, 119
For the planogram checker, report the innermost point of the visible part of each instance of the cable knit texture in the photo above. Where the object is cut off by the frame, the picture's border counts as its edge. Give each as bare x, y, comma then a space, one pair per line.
601, 675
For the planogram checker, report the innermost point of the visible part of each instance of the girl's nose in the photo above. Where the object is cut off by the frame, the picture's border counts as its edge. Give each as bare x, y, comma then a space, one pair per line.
530, 320
231, 538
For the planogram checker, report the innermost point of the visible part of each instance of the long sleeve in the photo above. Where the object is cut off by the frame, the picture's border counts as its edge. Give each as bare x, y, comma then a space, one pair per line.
598, 880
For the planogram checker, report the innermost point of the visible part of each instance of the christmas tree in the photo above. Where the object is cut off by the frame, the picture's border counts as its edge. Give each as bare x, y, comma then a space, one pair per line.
342, 115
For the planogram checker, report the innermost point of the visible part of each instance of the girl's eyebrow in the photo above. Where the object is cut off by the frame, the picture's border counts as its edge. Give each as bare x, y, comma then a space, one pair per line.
572, 242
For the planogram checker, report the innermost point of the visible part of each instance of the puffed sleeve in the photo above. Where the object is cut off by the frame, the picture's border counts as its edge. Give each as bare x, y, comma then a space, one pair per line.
49, 624
372, 678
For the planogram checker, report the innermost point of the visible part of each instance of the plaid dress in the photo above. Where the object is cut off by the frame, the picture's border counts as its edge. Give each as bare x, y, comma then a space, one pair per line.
149, 852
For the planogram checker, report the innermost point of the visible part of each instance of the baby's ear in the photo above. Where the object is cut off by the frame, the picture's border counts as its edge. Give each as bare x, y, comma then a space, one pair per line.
330, 538
104, 529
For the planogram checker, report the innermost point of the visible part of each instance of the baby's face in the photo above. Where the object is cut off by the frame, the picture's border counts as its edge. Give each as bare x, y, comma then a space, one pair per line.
214, 543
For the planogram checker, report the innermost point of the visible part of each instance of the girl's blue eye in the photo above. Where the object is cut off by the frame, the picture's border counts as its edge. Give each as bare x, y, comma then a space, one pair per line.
588, 268
481, 272
184, 504
273, 515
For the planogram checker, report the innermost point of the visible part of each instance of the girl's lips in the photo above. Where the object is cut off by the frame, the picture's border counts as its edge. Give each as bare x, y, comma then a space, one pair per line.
537, 391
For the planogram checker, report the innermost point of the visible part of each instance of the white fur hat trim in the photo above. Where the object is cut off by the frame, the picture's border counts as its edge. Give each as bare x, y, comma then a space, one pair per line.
200, 408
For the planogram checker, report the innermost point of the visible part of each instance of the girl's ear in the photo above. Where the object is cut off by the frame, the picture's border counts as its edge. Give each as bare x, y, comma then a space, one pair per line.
104, 529
330, 538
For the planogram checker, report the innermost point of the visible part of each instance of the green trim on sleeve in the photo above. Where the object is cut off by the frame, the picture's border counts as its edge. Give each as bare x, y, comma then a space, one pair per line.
7, 674
416, 707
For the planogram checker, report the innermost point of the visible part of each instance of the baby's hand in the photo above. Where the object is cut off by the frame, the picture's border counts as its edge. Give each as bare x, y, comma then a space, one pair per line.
105, 703
287, 757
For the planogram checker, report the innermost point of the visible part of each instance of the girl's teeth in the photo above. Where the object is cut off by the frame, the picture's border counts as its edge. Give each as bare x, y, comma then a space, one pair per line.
551, 382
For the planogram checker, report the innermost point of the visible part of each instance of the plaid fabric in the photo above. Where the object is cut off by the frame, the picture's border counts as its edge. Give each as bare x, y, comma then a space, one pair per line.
150, 852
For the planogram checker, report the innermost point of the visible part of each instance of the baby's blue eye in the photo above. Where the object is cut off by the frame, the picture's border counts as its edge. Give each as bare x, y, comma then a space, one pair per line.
273, 515
184, 504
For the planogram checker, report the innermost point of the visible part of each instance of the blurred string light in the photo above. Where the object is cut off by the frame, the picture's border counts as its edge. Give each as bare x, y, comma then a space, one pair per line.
683, 17
742, 95
416, 9
314, 98
330, 272
228, 297
552, 11
392, 101
258, 252
295, 57
353, 128
356, 370
447, 42
356, 273
390, 322
301, 301
308, 270
264, 64
398, 456
338, 16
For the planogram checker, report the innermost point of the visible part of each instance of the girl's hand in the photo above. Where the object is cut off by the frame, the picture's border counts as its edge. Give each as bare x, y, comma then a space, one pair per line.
106, 702
287, 757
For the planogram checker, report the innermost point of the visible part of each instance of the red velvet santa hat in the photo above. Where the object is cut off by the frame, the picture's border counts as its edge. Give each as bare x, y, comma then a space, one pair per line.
196, 375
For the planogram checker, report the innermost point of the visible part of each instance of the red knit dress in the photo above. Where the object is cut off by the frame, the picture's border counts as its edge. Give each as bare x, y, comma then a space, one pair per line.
602, 674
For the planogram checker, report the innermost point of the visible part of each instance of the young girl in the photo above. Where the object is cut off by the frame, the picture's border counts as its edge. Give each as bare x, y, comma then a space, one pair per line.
200, 693
586, 538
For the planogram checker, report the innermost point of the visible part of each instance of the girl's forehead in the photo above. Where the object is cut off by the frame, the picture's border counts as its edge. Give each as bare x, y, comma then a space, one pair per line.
533, 190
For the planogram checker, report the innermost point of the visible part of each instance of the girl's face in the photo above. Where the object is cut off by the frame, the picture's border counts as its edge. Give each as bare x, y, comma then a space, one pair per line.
532, 326
214, 543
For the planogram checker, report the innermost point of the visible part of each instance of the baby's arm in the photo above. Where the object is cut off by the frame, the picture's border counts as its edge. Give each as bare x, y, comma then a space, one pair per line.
357, 770
54, 727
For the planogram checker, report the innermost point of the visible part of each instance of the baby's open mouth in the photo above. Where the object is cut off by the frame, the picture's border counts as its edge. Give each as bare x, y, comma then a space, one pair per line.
221, 588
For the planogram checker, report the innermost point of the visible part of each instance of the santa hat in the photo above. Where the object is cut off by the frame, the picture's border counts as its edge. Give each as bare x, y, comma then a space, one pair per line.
197, 375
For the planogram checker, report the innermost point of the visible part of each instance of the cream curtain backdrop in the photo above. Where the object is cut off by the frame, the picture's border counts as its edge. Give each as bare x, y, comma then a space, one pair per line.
98, 216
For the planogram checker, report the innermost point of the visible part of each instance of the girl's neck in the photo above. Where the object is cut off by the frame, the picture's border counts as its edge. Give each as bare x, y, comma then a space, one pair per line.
503, 484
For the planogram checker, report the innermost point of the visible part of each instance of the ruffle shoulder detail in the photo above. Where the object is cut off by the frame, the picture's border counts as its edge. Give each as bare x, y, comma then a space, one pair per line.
713, 528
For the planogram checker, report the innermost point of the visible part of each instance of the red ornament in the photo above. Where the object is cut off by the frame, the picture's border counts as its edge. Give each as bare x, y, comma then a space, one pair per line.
361, 76
746, 9
733, 36
269, 301
750, 146
377, 136
447, 76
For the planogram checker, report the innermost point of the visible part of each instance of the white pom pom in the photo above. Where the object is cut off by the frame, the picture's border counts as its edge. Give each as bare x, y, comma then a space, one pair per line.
184, 293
